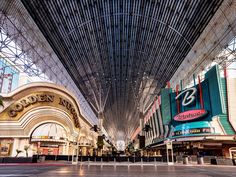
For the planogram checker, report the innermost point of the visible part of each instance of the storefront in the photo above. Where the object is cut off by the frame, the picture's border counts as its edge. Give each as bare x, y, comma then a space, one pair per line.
40, 118
198, 120
200, 124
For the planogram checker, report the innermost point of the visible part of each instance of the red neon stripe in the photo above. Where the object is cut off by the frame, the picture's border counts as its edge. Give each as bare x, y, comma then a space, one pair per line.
159, 100
225, 73
154, 106
200, 91
177, 101
153, 109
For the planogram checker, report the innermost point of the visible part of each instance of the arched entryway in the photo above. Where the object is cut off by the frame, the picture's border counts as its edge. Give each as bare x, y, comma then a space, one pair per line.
50, 139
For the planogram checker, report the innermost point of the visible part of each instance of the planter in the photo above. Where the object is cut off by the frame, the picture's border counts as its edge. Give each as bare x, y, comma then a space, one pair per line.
218, 161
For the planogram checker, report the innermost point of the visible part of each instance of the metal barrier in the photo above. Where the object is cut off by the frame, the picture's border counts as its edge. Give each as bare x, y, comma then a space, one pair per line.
130, 159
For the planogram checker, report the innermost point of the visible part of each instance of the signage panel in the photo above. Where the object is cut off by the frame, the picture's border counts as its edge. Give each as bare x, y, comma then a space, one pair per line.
37, 99
190, 115
189, 96
192, 131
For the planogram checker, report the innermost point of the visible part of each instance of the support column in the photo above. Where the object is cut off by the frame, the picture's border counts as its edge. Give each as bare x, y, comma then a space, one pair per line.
74, 155
15, 146
67, 148
75, 152
100, 125
141, 124
100, 121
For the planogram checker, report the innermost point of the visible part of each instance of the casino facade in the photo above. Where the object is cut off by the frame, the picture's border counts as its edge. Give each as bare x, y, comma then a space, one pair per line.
43, 118
197, 120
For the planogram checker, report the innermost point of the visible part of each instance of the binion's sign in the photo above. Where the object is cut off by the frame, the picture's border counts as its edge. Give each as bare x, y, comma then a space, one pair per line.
190, 115
189, 97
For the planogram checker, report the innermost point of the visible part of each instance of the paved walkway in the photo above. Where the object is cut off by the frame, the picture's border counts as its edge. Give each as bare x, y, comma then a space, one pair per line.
146, 170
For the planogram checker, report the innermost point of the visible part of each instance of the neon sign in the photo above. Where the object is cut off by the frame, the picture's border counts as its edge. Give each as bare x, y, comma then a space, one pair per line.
190, 115
189, 96
192, 131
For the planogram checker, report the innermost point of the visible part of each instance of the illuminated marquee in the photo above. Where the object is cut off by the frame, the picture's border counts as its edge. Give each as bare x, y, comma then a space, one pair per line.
189, 97
24, 103
190, 115
30, 100
192, 131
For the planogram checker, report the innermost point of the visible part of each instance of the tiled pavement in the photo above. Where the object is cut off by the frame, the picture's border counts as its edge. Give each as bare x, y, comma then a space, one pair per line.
93, 170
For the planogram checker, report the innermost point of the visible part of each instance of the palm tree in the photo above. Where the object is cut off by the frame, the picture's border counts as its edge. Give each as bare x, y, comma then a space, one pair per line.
18, 151
26, 148
95, 128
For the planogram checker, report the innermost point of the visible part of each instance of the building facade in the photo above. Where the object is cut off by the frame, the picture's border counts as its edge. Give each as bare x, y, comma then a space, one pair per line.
43, 118
198, 120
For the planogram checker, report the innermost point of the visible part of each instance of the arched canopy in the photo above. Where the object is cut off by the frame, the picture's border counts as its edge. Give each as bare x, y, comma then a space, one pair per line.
50, 132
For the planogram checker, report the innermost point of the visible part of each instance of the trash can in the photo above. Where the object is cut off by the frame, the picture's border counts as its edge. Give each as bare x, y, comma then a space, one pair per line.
185, 159
234, 161
200, 160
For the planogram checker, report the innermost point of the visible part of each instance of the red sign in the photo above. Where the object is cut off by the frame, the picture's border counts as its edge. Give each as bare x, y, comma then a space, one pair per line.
190, 115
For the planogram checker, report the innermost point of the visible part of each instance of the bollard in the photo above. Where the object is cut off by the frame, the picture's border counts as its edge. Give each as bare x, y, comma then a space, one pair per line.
185, 160
141, 163
200, 160
114, 162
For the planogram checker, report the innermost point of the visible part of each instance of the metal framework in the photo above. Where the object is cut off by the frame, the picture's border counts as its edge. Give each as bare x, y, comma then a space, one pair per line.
13, 53
228, 55
119, 53
213, 45
124, 48
23, 44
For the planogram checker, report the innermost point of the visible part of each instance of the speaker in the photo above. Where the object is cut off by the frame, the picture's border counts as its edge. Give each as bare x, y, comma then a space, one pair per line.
141, 142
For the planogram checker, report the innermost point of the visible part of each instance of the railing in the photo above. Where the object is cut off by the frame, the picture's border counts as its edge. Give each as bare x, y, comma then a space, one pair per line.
116, 159
131, 159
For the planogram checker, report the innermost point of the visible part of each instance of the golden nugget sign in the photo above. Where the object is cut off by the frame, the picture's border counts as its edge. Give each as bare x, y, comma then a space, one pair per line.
43, 98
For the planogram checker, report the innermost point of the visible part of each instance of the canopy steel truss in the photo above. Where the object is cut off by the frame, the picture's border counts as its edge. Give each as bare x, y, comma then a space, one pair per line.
215, 44
23, 44
129, 47
118, 53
